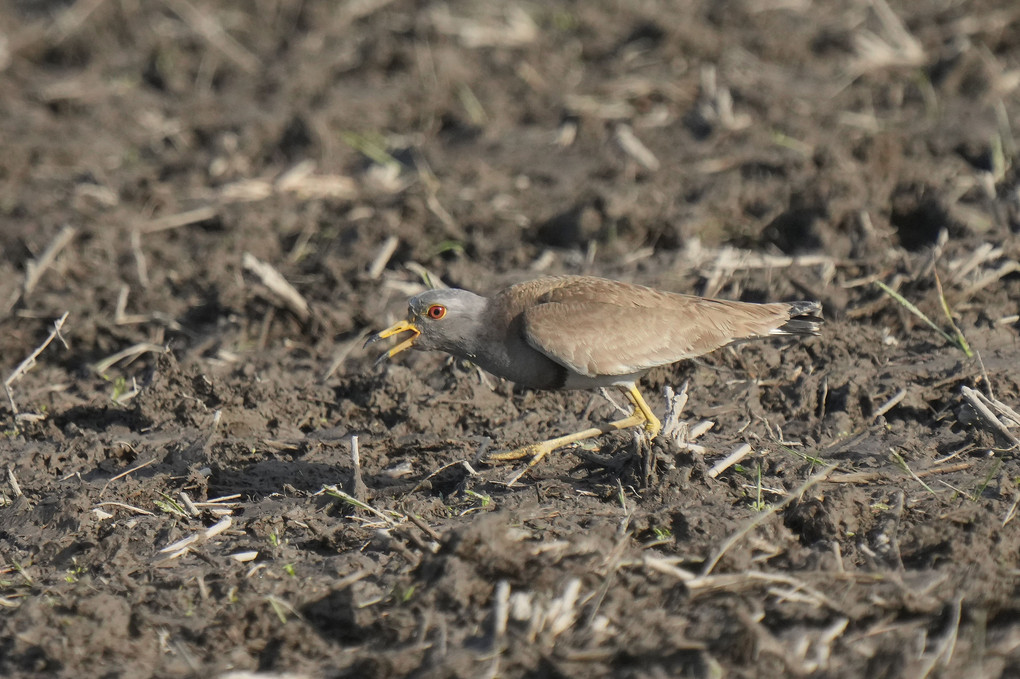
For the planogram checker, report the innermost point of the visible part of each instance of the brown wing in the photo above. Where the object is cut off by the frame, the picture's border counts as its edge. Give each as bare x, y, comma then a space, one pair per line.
599, 327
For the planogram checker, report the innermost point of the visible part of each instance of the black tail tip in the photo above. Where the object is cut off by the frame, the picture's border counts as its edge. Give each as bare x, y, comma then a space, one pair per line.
805, 319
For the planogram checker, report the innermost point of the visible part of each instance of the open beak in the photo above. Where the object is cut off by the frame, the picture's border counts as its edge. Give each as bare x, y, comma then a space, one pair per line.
395, 329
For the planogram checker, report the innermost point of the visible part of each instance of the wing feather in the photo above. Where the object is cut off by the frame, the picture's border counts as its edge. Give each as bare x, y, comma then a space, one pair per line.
598, 327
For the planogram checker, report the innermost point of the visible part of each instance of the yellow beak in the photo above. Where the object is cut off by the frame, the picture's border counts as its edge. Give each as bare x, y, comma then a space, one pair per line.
396, 329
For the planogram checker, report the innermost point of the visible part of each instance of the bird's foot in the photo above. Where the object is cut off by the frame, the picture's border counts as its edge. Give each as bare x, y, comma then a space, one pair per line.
652, 425
518, 454
536, 452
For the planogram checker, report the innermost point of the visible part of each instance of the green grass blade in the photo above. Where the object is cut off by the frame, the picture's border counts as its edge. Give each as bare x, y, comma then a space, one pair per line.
909, 306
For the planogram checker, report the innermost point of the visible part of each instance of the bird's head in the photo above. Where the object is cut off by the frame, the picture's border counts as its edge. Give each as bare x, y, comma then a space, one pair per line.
447, 320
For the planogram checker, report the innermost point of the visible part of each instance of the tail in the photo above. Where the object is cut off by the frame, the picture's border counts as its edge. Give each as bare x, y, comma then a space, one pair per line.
805, 319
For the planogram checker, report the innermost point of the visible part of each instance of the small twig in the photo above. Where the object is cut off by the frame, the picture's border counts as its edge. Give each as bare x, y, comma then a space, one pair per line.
890, 404
981, 403
947, 643
424, 527
123, 474
221, 500
629, 143
868, 477
701, 428
343, 351
1011, 513
606, 395
985, 252
739, 453
201, 214
132, 508
464, 463
140, 264
562, 613
666, 567
1004, 270
672, 426
358, 487
205, 24
189, 504
902, 463
120, 317
750, 577
909, 306
378, 264
961, 341
347, 497
428, 278
431, 185
500, 613
29, 362
100, 367
760, 518
13, 481
182, 547
35, 269
302, 181
272, 279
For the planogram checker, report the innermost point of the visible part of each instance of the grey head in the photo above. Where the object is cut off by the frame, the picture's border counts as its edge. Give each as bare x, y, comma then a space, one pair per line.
449, 320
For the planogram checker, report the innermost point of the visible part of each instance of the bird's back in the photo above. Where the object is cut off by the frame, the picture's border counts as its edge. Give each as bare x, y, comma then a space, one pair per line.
595, 327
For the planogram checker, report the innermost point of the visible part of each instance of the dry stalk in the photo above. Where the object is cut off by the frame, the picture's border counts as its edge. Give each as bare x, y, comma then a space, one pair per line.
513, 27
738, 454
277, 284
343, 351
13, 481
180, 219
205, 24
140, 264
34, 269
302, 181
985, 406
760, 518
869, 477
946, 645
425, 528
890, 404
893, 46
378, 264
992, 277
182, 547
100, 367
130, 508
125, 473
1011, 513
358, 488
431, 185
624, 136
500, 612
672, 426
29, 362
985, 252
350, 499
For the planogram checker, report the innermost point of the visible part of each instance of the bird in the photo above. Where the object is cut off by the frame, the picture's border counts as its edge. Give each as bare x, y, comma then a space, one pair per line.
585, 332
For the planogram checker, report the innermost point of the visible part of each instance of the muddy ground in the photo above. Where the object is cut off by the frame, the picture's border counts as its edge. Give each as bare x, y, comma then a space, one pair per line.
165, 165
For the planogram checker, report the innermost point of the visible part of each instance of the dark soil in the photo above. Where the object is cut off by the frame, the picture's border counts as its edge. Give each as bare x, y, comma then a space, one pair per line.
787, 150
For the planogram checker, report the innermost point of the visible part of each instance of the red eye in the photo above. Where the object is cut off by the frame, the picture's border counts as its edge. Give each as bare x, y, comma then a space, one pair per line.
436, 311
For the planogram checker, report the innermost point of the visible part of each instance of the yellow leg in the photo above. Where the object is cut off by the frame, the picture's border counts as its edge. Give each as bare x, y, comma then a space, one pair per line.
536, 451
652, 424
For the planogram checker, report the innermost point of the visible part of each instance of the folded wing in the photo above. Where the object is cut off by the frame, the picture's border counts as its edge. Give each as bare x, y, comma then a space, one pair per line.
625, 329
